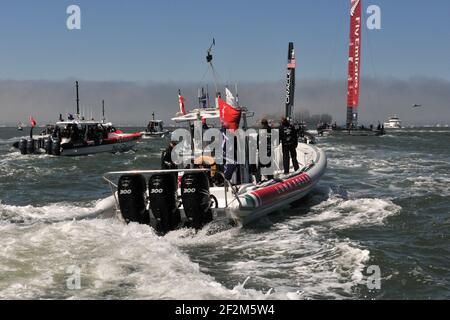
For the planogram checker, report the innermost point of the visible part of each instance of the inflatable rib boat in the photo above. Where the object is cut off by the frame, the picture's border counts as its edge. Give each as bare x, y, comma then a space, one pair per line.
173, 199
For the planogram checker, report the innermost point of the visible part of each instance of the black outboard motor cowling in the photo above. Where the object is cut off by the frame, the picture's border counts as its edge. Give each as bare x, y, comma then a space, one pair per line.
23, 146
162, 189
48, 146
56, 147
31, 147
132, 198
196, 199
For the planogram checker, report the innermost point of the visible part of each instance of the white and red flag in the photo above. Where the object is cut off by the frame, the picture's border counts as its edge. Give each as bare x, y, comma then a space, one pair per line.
181, 102
32, 122
229, 116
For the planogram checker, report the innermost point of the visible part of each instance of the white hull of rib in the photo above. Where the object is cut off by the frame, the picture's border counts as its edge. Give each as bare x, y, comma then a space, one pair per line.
250, 203
154, 135
106, 148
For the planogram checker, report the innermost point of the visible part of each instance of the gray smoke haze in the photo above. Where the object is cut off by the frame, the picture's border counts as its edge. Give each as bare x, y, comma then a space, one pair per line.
132, 103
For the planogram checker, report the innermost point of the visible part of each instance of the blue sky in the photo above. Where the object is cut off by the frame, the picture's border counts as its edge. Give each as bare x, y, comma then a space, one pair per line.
141, 40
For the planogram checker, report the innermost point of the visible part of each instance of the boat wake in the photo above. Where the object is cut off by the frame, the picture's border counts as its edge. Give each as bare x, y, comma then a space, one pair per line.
302, 257
115, 261
53, 213
305, 257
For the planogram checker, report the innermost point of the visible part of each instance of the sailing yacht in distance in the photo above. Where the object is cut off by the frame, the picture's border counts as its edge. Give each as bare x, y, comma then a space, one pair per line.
20, 126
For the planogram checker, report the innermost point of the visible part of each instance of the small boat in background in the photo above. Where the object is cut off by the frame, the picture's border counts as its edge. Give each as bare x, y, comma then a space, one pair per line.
155, 129
393, 123
20, 126
77, 136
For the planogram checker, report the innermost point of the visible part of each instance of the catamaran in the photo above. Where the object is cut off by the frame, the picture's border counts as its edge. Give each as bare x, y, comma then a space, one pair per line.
77, 136
354, 77
192, 197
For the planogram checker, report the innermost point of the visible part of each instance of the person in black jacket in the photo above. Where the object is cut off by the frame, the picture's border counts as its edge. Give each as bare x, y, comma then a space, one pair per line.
289, 142
265, 126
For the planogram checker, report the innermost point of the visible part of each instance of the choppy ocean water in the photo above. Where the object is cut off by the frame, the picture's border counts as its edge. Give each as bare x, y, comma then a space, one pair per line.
383, 202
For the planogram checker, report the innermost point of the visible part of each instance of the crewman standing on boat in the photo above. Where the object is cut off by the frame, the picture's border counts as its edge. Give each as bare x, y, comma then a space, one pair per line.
289, 142
267, 135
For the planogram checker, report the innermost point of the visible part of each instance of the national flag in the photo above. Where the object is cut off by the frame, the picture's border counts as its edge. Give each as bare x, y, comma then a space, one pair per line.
181, 102
229, 116
292, 64
32, 122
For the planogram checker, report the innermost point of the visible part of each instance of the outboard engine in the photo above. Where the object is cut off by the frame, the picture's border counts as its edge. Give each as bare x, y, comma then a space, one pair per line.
56, 147
40, 143
196, 199
31, 147
23, 146
48, 145
132, 198
162, 189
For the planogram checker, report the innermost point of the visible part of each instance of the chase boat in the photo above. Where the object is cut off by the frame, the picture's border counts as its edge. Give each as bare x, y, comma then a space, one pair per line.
159, 199
155, 129
77, 136
170, 199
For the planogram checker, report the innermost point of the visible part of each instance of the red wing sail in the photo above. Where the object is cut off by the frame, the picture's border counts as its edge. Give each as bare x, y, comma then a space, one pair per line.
229, 116
354, 60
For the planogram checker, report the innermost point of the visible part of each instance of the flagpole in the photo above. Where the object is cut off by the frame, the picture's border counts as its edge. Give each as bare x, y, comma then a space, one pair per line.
237, 94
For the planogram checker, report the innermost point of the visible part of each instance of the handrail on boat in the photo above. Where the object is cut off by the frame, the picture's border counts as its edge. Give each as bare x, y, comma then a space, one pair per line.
156, 171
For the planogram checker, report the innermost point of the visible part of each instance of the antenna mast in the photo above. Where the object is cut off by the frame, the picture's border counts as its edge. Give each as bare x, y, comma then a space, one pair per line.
103, 111
78, 100
209, 58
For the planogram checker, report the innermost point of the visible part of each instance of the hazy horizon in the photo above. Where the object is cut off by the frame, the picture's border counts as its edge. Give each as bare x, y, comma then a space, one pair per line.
133, 102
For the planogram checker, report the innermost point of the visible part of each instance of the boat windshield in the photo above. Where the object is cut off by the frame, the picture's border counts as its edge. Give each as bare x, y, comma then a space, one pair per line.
77, 132
155, 126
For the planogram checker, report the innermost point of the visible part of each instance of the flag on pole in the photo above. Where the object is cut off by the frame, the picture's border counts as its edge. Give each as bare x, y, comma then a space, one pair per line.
32, 122
181, 102
229, 116
230, 99
292, 64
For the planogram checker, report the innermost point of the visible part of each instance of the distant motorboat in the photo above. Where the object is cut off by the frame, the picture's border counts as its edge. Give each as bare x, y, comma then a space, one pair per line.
155, 129
77, 136
20, 126
393, 123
